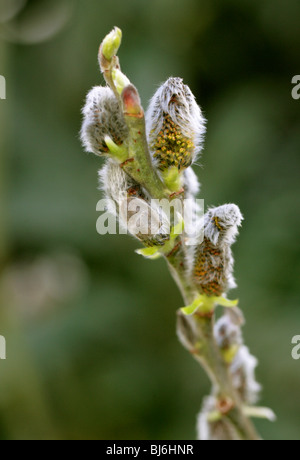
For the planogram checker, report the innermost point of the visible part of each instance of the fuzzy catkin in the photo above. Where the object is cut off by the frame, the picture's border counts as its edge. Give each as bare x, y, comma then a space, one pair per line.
175, 126
242, 368
126, 199
116, 185
191, 183
213, 261
102, 116
243, 375
227, 333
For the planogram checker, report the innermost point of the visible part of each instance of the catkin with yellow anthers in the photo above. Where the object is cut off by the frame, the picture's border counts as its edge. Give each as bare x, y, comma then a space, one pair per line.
209, 273
175, 126
171, 147
213, 261
102, 116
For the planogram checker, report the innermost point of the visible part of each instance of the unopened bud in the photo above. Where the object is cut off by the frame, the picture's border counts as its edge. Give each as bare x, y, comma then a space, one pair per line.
111, 44
132, 102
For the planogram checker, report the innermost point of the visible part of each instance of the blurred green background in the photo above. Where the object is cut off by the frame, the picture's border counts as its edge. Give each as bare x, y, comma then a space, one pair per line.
89, 325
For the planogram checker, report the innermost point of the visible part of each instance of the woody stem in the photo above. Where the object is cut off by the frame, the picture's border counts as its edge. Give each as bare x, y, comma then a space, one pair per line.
211, 358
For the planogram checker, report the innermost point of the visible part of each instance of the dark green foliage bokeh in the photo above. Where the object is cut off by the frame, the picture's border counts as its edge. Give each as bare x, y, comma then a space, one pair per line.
103, 361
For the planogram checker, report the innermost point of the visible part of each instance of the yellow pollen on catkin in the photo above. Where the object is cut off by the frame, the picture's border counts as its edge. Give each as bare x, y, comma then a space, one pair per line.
171, 147
209, 269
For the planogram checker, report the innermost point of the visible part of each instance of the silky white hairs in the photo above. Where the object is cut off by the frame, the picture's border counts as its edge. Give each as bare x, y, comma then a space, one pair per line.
213, 261
126, 199
102, 116
243, 379
227, 333
221, 224
176, 99
115, 184
175, 126
242, 367
190, 183
243, 375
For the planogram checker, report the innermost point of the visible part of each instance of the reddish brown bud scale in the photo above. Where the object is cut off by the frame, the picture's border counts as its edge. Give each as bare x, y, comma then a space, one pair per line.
132, 102
225, 405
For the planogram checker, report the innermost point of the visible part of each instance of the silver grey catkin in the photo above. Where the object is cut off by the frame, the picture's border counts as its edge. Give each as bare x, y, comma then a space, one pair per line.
130, 203
243, 375
213, 261
191, 183
102, 116
175, 126
242, 364
227, 333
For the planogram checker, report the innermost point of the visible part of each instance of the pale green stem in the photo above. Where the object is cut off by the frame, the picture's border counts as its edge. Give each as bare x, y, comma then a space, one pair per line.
107, 68
212, 361
210, 355
141, 169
